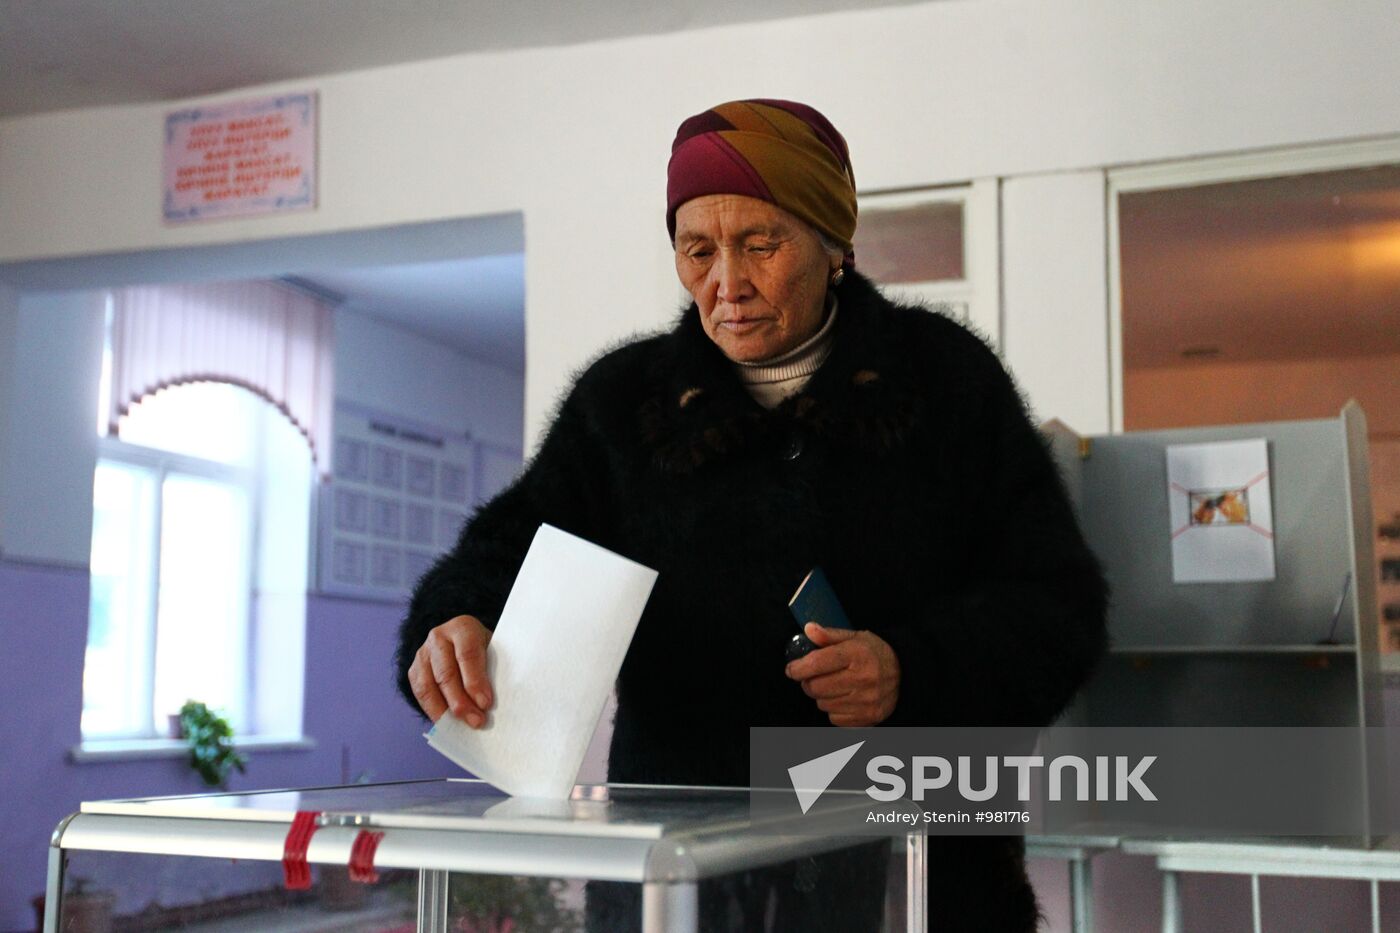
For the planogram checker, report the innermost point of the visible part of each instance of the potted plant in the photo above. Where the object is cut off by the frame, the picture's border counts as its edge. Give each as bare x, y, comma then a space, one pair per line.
210, 738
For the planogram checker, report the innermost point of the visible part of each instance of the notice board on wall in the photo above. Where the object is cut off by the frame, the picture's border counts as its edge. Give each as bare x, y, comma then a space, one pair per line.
399, 494
240, 158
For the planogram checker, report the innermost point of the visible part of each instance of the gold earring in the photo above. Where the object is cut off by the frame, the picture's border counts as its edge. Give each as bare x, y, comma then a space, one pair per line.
838, 276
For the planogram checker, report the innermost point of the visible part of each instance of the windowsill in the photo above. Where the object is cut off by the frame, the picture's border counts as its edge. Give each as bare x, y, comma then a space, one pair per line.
136, 749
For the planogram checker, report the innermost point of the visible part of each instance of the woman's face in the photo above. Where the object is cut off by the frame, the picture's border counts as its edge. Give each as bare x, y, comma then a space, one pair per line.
757, 273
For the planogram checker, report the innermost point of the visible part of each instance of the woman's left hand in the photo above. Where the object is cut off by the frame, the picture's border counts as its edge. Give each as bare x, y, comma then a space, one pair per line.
853, 675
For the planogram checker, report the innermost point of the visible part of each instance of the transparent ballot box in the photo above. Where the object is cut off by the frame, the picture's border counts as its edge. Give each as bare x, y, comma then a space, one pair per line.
458, 855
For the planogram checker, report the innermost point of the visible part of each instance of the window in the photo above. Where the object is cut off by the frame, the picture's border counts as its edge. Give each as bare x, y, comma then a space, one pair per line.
203, 499
201, 521
938, 247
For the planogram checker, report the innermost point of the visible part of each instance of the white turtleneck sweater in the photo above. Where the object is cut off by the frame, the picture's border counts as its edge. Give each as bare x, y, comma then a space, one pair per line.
772, 380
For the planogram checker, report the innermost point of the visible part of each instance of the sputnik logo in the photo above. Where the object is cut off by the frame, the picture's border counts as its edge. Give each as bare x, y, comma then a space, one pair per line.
811, 778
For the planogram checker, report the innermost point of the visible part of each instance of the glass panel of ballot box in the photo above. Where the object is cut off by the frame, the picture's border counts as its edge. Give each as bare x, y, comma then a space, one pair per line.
458, 855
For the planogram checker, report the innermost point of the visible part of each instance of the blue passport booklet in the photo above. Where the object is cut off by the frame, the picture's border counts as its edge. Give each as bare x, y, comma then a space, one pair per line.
815, 601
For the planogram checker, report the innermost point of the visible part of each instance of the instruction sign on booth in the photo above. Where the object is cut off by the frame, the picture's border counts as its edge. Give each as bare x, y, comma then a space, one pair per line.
240, 158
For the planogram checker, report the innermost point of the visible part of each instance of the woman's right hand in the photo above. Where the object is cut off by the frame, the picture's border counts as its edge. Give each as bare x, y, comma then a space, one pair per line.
449, 671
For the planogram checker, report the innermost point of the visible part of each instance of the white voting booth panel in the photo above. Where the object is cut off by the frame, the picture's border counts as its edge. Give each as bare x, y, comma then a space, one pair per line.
1298, 649
667, 840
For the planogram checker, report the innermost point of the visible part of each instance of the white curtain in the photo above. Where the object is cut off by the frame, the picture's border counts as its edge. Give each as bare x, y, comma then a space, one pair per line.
270, 338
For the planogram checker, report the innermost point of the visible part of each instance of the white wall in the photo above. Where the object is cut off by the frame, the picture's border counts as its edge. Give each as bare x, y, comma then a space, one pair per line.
578, 137
1053, 303
392, 369
50, 424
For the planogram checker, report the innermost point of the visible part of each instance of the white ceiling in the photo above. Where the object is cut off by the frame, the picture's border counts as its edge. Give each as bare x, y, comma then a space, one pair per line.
59, 54
1285, 268
476, 306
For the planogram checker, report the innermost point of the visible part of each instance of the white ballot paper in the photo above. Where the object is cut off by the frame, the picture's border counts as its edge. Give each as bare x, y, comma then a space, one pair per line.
553, 659
1222, 516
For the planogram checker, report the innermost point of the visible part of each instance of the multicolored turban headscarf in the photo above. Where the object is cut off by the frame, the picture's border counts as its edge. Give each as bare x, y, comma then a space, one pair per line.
778, 151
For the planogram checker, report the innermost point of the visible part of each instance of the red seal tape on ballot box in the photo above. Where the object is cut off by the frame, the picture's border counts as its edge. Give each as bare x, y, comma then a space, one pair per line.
296, 874
362, 857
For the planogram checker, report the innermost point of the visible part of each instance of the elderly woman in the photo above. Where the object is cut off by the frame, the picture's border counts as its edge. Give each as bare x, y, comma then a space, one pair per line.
793, 417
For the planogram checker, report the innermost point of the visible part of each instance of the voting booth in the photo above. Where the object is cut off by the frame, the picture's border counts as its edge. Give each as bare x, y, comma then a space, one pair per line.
665, 841
1280, 631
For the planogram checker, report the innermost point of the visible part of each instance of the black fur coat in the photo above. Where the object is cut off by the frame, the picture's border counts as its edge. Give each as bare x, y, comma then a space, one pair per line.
907, 469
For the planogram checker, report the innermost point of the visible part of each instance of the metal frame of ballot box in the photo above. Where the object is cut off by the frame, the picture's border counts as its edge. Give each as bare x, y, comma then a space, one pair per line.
665, 838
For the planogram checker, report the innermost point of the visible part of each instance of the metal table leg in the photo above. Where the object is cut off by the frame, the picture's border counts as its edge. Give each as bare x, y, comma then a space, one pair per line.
1171, 903
670, 908
1375, 905
916, 881
1254, 903
53, 890
53, 887
1081, 896
432, 901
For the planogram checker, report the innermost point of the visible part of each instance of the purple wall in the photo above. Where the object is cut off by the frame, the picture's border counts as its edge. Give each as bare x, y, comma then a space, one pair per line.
43, 633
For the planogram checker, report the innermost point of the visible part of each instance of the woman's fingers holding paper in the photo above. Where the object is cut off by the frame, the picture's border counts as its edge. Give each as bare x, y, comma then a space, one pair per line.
449, 671
425, 688
469, 640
